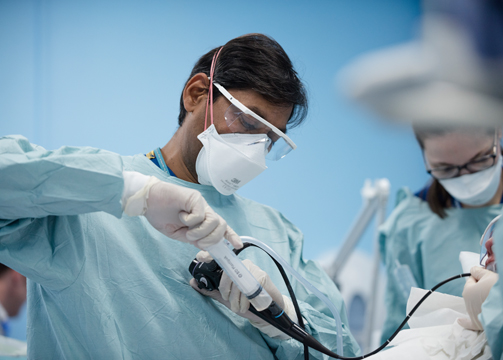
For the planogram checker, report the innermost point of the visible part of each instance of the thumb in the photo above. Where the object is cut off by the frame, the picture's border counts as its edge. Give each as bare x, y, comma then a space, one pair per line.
204, 256
233, 238
477, 272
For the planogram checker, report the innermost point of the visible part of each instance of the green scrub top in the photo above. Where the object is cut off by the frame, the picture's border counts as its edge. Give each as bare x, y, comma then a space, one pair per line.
102, 285
416, 237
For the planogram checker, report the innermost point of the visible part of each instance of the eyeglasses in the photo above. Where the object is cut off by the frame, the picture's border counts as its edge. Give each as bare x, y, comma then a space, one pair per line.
240, 119
482, 163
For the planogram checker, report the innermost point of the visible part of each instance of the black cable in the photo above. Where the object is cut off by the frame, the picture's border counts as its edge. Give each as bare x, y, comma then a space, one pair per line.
288, 286
403, 322
327, 351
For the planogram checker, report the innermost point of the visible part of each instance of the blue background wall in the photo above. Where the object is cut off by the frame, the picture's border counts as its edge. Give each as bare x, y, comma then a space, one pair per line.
109, 74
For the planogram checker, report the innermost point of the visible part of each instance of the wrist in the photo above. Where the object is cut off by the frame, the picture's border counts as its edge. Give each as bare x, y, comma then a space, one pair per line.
136, 204
133, 182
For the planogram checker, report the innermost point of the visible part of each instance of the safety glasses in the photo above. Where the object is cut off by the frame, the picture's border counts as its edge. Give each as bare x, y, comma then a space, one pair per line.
240, 119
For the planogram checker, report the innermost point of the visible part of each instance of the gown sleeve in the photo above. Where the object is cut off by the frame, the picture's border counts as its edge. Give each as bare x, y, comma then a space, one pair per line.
43, 198
35, 182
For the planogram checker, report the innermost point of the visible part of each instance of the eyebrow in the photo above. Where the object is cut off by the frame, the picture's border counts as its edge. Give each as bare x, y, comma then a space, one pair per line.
257, 111
479, 154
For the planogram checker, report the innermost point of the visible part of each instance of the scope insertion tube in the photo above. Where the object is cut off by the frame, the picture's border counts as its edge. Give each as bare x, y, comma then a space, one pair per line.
307, 284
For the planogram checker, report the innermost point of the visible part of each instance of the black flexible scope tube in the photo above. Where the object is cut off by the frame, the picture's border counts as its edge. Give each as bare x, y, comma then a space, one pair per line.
334, 355
276, 316
310, 341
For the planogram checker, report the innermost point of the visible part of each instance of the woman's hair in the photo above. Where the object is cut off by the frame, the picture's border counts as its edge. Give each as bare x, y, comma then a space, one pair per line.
437, 197
255, 62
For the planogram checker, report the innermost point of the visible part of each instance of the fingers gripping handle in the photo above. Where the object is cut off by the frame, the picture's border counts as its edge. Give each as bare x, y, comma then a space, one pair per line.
240, 275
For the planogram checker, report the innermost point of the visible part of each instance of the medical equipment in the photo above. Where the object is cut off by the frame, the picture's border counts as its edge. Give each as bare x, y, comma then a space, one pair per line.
264, 307
226, 256
208, 277
488, 234
375, 198
240, 275
436, 332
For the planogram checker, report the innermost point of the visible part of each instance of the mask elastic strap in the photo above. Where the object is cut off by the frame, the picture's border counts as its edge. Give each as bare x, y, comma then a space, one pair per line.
209, 100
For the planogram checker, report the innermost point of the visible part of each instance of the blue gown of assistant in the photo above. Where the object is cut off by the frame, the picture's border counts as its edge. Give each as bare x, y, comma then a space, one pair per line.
102, 285
415, 236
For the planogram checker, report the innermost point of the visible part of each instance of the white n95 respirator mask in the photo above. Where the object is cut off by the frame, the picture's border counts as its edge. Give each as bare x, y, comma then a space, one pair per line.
229, 161
475, 189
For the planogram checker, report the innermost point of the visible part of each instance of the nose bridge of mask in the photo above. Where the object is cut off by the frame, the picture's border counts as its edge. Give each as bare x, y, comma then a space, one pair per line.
251, 146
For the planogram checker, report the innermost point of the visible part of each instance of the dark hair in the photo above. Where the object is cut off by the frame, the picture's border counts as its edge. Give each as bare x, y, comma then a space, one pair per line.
437, 197
257, 62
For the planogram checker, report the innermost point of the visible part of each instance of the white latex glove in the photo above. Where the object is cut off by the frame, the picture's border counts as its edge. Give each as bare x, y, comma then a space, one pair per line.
475, 292
229, 295
177, 212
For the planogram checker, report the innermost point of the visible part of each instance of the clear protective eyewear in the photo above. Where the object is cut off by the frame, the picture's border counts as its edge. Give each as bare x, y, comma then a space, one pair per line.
482, 163
488, 234
240, 119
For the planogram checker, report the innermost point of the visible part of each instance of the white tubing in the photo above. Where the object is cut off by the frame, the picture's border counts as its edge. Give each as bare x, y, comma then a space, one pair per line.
307, 284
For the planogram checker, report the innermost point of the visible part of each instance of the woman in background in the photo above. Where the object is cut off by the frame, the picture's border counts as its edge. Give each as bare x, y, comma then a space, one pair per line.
421, 240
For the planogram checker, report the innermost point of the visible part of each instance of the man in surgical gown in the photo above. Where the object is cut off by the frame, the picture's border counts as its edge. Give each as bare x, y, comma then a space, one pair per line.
104, 285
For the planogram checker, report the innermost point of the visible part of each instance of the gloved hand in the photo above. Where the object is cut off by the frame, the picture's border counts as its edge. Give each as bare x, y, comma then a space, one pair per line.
229, 295
177, 212
475, 293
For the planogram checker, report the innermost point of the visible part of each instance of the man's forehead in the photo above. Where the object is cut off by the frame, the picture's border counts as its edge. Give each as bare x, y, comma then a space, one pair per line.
272, 119
276, 114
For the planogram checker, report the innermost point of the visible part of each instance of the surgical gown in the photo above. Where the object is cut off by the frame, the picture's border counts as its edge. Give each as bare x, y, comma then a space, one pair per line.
416, 237
103, 285
492, 309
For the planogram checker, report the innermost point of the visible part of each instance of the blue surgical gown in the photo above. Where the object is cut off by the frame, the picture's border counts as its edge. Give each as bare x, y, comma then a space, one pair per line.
415, 236
102, 285
492, 308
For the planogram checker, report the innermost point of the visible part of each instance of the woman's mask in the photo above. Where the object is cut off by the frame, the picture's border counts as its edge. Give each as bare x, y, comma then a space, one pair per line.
475, 189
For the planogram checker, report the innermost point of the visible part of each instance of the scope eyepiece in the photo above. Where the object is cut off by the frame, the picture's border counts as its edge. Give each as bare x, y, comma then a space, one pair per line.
207, 275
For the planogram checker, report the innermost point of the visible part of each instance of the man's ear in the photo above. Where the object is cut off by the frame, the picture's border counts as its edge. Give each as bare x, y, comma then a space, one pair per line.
196, 91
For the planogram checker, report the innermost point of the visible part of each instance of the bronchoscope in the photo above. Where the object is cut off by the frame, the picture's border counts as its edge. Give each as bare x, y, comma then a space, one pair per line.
208, 275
